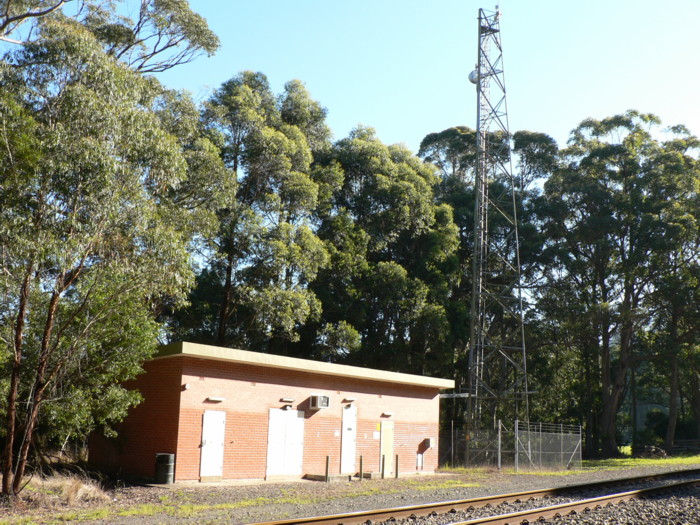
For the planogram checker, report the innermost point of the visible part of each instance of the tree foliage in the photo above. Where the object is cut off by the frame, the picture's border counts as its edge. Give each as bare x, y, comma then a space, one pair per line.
614, 213
101, 195
164, 34
253, 291
393, 254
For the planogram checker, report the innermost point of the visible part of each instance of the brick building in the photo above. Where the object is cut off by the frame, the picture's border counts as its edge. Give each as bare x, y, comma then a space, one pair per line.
232, 414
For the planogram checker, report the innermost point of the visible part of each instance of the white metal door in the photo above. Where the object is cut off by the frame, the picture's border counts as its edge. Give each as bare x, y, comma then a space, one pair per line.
213, 430
285, 442
348, 440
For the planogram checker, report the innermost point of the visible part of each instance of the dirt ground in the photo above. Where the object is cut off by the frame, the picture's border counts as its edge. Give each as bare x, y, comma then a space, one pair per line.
77, 501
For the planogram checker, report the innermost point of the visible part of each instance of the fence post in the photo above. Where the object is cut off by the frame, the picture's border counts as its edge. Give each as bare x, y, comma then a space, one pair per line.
362, 470
517, 448
499, 444
396, 471
580, 445
452, 443
328, 467
383, 462
561, 446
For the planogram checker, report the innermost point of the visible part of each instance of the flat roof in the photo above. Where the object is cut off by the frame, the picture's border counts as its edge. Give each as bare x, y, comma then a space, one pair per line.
232, 355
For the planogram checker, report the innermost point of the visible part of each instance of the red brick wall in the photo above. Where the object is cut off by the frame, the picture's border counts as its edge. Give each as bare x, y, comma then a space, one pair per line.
250, 391
183, 384
150, 428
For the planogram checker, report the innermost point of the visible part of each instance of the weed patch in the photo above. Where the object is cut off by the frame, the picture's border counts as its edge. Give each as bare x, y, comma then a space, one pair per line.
629, 462
436, 484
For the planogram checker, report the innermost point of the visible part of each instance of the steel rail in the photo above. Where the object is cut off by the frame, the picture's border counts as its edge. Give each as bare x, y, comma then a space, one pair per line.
563, 509
361, 517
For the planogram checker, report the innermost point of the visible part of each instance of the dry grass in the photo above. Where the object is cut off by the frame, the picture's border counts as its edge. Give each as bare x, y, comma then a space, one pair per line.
60, 491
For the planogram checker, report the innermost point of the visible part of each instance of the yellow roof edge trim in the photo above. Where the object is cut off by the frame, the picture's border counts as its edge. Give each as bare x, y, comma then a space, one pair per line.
232, 355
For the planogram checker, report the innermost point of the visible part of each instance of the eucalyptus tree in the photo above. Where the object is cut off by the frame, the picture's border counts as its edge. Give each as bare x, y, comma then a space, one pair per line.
692, 383
611, 213
252, 290
162, 34
392, 256
674, 302
452, 151
104, 184
14, 15
675, 307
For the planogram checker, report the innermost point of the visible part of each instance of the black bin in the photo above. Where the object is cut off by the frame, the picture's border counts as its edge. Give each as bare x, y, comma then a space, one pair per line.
165, 468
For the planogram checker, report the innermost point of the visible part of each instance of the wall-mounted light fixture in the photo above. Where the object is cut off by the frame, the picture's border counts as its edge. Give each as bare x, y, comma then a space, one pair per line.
286, 407
213, 399
186, 386
387, 414
287, 400
349, 400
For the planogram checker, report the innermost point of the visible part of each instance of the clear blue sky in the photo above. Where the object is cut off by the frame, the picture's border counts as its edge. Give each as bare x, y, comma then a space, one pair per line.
401, 66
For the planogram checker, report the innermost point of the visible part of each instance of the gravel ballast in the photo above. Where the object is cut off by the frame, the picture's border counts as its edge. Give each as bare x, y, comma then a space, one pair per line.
609, 514
241, 503
679, 508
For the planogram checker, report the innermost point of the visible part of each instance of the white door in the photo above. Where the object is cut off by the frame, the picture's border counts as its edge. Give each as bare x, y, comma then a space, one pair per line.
285, 442
348, 440
213, 430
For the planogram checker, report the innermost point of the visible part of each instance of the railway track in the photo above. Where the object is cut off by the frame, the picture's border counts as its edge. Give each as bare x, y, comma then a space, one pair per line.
555, 511
518, 517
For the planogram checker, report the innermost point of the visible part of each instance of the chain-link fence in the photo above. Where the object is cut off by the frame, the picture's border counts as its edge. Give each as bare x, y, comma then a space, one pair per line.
524, 446
547, 445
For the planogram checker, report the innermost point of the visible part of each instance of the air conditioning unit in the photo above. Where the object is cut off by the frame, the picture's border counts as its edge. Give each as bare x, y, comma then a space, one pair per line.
319, 402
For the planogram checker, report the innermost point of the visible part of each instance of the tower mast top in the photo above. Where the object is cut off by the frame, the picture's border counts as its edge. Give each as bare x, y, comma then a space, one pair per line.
497, 371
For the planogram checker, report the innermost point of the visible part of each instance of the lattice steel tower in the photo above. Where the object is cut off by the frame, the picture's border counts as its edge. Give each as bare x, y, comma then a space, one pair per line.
497, 370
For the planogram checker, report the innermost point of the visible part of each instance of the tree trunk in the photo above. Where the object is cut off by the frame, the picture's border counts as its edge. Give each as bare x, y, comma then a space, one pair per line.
592, 385
695, 398
612, 398
224, 311
633, 415
673, 405
24, 450
613, 390
11, 428
610, 392
608, 423
673, 380
39, 387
